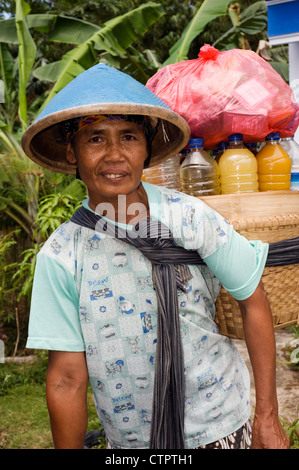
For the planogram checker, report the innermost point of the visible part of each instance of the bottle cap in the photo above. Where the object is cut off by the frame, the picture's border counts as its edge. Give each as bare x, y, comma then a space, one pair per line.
193, 143
251, 145
234, 137
222, 145
273, 136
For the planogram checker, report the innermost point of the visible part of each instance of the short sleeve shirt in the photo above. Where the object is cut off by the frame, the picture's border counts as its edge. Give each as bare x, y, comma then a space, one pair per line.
94, 293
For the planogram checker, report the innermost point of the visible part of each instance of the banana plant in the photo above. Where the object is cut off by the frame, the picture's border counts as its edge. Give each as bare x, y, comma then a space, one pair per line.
26, 57
114, 37
249, 22
208, 11
21, 181
8, 93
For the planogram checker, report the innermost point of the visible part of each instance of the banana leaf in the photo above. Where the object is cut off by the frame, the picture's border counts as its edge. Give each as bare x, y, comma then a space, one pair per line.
252, 21
208, 11
60, 28
71, 30
49, 72
282, 68
8, 31
2, 91
114, 37
27, 53
6, 71
139, 65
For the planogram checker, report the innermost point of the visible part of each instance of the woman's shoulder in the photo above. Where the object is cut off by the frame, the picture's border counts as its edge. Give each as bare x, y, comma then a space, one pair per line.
62, 241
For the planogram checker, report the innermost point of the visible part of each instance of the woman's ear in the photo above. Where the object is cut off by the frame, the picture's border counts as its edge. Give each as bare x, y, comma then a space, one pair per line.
70, 154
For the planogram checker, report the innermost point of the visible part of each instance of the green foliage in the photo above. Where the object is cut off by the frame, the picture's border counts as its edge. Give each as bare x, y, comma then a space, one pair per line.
207, 12
14, 374
292, 349
22, 279
8, 249
54, 209
6, 243
24, 420
30, 198
292, 430
27, 52
114, 38
295, 330
249, 22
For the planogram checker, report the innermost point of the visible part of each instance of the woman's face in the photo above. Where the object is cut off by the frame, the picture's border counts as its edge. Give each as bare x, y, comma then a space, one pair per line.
110, 157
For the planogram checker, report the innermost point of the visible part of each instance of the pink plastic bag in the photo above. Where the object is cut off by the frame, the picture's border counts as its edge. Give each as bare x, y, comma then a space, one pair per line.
222, 93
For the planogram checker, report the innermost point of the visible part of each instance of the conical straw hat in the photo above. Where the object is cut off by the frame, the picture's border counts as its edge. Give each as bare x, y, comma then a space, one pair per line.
102, 90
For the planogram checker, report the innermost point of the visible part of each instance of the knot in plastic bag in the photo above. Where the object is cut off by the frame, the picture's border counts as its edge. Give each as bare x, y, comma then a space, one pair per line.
208, 52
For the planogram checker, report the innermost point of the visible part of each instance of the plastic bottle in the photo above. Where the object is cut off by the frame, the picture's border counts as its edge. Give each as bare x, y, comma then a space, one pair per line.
222, 146
184, 153
215, 154
199, 171
292, 149
165, 174
274, 165
252, 147
238, 168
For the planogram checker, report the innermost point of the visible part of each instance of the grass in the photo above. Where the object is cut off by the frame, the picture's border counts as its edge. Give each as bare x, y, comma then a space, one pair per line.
24, 419
24, 422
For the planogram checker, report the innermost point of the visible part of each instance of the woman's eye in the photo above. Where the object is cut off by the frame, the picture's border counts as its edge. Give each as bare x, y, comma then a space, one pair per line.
95, 139
129, 137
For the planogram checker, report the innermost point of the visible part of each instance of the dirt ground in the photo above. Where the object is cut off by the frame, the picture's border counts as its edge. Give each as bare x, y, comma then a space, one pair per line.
287, 379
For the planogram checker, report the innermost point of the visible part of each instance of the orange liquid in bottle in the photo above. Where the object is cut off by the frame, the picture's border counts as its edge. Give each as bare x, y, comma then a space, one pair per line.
274, 166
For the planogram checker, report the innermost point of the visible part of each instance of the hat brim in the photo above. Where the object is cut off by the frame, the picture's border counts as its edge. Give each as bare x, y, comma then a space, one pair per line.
41, 144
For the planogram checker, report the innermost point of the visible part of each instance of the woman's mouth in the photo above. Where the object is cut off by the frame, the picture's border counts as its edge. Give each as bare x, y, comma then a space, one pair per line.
113, 175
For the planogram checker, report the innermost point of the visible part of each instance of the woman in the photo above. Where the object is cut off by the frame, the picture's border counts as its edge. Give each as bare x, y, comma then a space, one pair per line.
125, 292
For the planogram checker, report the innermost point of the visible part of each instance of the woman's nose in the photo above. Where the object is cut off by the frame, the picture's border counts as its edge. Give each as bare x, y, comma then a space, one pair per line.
115, 151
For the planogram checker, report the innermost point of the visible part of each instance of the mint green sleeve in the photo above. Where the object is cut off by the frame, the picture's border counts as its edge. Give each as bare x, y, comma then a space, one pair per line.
239, 265
54, 322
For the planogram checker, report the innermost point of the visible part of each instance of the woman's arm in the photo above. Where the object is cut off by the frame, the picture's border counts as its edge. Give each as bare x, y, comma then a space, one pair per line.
67, 381
259, 336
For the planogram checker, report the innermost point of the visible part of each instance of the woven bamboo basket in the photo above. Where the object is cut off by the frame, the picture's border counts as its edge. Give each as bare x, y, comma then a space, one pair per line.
270, 216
